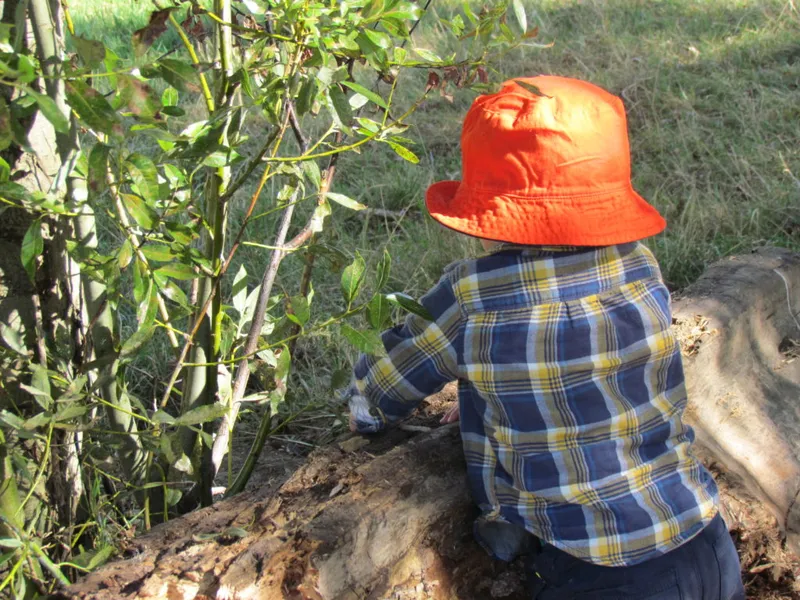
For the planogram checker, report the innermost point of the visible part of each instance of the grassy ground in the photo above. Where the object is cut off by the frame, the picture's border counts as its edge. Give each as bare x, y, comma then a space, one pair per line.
712, 91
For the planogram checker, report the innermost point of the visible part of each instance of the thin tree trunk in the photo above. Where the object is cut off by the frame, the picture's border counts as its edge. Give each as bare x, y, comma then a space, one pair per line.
94, 307
202, 379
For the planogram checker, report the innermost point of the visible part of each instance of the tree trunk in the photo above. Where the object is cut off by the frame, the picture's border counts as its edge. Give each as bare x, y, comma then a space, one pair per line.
351, 526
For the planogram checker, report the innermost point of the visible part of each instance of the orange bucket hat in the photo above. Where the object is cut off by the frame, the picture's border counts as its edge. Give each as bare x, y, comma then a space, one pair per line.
549, 169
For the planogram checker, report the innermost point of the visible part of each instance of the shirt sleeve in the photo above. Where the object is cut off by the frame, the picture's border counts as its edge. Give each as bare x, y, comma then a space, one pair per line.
421, 357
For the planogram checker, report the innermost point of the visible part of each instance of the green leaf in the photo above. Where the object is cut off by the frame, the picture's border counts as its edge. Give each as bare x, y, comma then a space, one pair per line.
145, 175
92, 52
158, 252
141, 280
92, 108
235, 532
247, 83
369, 95
125, 254
183, 464
531, 88
180, 75
428, 55
400, 54
406, 302
353, 279
202, 414
91, 559
139, 98
32, 248
298, 305
172, 292
222, 158
11, 543
519, 12
70, 411
170, 111
380, 39
306, 96
340, 105
51, 112
341, 378
40, 381
161, 417
405, 11
379, 312
14, 337
146, 316
172, 496
239, 290
468, 12
98, 168
311, 169
322, 211
283, 364
142, 213
345, 201
382, 270
372, 9
11, 419
404, 152
169, 97
6, 133
368, 341
176, 178
177, 270
39, 420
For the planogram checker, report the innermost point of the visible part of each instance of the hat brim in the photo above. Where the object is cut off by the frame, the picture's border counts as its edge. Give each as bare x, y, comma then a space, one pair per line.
600, 219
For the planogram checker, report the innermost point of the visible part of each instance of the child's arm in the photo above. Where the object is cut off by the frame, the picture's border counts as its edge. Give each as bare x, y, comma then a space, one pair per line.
421, 357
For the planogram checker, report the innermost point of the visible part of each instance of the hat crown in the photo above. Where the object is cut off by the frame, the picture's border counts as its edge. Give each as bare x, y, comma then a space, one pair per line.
545, 168
571, 140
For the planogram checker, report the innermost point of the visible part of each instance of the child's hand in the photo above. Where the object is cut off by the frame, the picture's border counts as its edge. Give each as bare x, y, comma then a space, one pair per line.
451, 416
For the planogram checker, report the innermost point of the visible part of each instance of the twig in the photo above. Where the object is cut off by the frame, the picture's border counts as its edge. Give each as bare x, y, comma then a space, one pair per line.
788, 297
382, 212
41, 348
253, 335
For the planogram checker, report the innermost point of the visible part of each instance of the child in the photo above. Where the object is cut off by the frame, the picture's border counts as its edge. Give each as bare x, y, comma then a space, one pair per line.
570, 381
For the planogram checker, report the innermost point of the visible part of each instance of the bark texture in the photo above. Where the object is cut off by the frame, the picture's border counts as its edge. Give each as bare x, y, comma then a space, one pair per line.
739, 328
345, 526
349, 525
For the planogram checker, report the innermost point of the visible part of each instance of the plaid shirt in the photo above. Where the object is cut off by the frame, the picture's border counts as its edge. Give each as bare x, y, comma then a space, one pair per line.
571, 391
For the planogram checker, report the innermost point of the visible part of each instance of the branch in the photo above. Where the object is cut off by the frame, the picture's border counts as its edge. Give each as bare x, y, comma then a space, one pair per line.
253, 335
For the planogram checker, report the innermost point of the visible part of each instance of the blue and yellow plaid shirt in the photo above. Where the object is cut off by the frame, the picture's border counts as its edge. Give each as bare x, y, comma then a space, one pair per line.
571, 392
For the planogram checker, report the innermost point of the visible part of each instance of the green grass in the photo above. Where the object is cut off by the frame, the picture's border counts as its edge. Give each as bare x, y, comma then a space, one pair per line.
713, 98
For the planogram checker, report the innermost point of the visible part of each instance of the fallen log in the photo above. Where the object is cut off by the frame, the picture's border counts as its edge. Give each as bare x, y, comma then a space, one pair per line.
349, 525
345, 526
739, 328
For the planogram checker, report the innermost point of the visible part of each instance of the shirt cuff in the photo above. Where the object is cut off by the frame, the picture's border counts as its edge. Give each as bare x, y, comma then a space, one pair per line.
367, 418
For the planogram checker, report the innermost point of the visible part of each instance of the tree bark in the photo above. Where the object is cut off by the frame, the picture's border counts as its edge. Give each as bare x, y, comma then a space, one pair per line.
351, 526
740, 328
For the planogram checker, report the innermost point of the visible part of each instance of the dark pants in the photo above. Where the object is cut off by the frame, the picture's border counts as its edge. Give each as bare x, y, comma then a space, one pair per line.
704, 568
